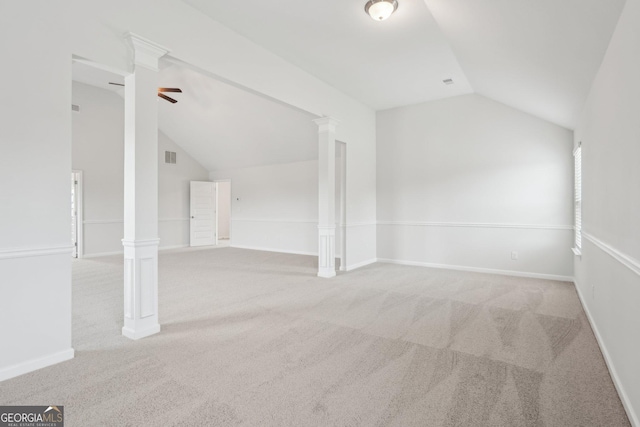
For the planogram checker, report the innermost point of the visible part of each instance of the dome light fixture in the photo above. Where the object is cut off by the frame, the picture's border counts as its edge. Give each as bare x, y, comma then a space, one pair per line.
379, 10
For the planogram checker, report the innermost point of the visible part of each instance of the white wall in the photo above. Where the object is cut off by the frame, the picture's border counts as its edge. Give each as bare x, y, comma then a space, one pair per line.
224, 209
465, 181
39, 37
278, 207
98, 150
220, 52
608, 273
274, 207
173, 193
35, 137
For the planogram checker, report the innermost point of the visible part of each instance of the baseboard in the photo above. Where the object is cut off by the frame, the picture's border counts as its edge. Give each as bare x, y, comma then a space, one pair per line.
626, 402
35, 364
161, 248
479, 270
282, 251
102, 254
168, 248
361, 264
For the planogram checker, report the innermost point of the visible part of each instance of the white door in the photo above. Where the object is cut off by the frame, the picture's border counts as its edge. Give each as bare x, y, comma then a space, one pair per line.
203, 213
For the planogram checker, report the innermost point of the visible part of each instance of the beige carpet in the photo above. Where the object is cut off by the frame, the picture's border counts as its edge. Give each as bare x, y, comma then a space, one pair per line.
253, 338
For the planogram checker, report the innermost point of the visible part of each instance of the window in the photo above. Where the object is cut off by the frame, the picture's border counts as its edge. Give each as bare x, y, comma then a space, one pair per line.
578, 195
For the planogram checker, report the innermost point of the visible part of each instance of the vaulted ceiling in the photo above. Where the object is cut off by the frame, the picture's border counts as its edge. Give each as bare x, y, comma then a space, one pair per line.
400, 61
220, 125
225, 127
538, 56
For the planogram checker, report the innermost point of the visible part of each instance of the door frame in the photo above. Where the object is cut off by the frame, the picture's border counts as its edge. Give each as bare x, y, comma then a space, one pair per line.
218, 209
341, 171
79, 212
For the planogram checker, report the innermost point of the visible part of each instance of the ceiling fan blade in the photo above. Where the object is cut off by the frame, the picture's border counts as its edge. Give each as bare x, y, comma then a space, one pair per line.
116, 84
169, 89
171, 100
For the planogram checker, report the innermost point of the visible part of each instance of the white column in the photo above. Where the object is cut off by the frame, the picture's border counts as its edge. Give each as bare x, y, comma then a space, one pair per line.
327, 196
141, 191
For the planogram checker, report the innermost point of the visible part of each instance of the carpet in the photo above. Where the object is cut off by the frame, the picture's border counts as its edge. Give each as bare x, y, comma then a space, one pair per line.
255, 339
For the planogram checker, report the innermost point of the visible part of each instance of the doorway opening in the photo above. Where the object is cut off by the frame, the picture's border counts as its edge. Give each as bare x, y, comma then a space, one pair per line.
341, 205
76, 214
223, 212
210, 213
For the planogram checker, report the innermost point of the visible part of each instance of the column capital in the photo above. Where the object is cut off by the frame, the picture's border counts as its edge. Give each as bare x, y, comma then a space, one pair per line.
145, 52
326, 124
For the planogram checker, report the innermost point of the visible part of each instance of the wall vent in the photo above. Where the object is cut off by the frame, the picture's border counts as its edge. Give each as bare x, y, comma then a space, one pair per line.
448, 81
170, 157
75, 107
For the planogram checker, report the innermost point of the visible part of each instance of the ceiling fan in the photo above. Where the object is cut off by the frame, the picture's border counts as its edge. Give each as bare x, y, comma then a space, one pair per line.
160, 92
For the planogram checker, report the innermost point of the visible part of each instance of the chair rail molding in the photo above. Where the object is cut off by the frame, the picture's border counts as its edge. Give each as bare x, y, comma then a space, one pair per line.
272, 220
34, 252
102, 221
629, 262
477, 225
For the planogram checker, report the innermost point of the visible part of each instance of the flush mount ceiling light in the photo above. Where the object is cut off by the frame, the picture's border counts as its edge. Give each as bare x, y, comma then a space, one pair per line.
380, 9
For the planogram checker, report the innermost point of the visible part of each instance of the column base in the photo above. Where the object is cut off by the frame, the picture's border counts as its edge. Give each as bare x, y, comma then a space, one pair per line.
326, 251
328, 274
139, 334
140, 288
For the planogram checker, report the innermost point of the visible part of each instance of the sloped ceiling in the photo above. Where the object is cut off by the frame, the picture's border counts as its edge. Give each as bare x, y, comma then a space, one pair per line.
87, 74
538, 56
400, 61
219, 125
224, 127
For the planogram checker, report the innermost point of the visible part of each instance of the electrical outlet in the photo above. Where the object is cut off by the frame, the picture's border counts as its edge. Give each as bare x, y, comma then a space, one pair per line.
514, 255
